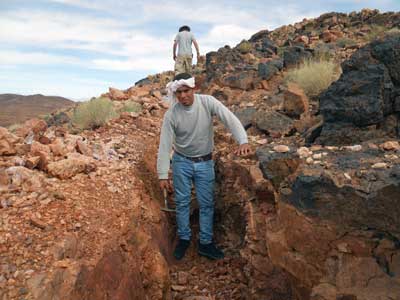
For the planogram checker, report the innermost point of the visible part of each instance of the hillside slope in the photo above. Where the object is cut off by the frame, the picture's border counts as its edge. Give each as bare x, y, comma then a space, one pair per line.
19, 108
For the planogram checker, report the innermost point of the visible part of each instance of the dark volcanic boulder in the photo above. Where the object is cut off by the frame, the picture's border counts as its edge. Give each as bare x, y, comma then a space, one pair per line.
366, 93
269, 69
245, 116
276, 166
273, 123
337, 234
142, 82
242, 80
295, 55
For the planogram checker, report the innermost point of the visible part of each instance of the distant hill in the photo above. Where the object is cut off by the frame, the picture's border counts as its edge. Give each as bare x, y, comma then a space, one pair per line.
19, 108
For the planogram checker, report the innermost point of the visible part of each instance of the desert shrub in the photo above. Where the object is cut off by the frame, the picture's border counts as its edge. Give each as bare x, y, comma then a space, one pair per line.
130, 106
314, 75
324, 51
393, 31
244, 47
13, 128
375, 32
345, 42
280, 51
93, 113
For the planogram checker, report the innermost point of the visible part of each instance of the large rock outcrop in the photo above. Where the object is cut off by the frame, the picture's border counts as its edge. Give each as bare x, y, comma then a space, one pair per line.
336, 230
365, 102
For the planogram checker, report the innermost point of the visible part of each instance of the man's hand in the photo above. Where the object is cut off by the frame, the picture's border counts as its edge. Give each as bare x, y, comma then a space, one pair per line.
243, 150
174, 57
165, 184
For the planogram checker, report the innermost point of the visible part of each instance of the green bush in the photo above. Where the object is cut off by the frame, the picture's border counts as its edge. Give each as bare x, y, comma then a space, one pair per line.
130, 106
314, 75
93, 113
244, 47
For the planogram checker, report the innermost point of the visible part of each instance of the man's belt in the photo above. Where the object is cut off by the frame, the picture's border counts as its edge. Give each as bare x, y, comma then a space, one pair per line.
198, 158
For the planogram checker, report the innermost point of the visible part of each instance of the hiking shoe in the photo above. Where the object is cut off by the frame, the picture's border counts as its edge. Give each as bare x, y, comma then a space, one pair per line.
181, 248
210, 251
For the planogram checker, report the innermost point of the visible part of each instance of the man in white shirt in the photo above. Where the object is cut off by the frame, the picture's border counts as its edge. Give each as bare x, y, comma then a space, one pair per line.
188, 126
184, 40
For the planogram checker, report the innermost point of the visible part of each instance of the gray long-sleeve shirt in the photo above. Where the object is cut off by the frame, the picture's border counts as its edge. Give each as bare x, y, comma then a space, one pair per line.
190, 130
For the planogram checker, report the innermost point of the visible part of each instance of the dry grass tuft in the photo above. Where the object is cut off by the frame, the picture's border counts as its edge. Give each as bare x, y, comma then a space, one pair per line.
314, 76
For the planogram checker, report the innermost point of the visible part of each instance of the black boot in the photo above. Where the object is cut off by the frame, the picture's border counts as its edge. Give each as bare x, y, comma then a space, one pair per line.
181, 248
210, 251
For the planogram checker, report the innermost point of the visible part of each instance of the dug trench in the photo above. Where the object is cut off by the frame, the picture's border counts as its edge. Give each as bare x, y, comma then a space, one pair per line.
242, 198
260, 231
139, 264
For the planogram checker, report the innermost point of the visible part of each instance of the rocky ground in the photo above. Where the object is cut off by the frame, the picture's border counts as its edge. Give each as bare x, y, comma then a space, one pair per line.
311, 214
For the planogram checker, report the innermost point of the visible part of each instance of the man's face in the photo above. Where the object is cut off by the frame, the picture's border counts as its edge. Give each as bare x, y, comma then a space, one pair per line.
185, 95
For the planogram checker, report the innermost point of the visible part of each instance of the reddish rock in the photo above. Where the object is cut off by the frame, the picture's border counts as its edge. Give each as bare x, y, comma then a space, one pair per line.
37, 147
390, 146
264, 85
138, 91
74, 164
116, 94
71, 142
37, 126
157, 95
44, 140
58, 147
302, 39
21, 177
328, 37
83, 148
8, 142
32, 162
295, 101
45, 158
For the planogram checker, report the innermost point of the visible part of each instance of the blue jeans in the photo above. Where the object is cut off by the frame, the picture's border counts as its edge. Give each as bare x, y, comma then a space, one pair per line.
201, 174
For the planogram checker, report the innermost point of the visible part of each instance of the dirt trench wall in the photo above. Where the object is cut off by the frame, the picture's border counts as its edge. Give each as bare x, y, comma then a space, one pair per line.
133, 265
243, 200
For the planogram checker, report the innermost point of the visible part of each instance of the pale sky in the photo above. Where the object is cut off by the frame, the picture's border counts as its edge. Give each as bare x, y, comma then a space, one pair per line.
79, 48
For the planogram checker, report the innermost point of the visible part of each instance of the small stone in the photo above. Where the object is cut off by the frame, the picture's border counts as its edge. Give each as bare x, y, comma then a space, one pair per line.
37, 223
332, 148
391, 156
178, 288
304, 152
281, 148
373, 146
262, 141
380, 165
309, 160
183, 278
390, 146
315, 147
347, 176
45, 201
317, 156
286, 191
65, 263
354, 148
23, 291
343, 247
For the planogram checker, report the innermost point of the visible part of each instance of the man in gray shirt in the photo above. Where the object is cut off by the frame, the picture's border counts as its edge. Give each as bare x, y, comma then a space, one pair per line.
188, 127
184, 40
